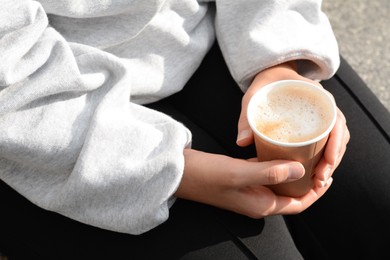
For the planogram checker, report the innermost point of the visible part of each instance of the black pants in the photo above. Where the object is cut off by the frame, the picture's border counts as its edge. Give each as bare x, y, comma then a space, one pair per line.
349, 222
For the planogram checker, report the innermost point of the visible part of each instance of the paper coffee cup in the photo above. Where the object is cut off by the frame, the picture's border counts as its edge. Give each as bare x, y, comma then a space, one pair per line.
291, 120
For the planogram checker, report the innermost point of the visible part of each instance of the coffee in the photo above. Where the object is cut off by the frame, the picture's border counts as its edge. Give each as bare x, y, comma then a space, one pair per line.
291, 120
293, 113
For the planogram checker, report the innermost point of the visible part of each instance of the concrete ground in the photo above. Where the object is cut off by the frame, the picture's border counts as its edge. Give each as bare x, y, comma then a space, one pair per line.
363, 33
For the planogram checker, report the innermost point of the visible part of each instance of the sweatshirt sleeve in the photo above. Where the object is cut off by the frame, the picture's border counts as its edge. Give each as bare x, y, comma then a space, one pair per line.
255, 35
71, 140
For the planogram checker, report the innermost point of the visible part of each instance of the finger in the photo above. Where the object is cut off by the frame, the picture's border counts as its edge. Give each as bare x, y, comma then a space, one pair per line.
335, 149
343, 149
245, 134
267, 173
336, 140
288, 205
324, 170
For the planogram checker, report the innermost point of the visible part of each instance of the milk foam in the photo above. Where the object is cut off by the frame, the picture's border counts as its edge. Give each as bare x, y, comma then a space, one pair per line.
293, 114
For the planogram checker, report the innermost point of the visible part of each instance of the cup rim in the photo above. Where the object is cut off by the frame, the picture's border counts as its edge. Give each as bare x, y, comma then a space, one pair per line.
267, 88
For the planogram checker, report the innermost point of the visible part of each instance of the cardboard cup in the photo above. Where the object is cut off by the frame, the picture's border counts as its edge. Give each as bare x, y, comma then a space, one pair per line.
306, 147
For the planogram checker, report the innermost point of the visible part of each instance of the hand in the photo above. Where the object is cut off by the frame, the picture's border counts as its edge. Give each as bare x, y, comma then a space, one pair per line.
238, 185
285, 71
334, 150
338, 138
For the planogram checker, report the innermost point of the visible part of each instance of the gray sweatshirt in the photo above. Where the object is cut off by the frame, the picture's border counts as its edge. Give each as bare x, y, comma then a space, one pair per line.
74, 136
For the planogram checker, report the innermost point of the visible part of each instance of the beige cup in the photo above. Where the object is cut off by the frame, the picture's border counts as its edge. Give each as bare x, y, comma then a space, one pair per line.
291, 120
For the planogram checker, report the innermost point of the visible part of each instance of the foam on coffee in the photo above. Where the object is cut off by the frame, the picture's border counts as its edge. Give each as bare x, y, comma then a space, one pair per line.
293, 114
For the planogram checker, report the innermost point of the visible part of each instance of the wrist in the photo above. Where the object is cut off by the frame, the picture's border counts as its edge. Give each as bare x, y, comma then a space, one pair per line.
280, 71
292, 65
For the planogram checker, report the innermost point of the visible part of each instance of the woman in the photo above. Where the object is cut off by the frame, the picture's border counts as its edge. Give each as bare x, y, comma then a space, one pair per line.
120, 134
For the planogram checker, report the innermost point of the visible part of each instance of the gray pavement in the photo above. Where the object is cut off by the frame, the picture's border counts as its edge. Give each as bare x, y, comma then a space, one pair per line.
362, 29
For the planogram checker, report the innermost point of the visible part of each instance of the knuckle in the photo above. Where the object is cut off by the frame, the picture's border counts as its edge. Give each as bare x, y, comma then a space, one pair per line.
257, 214
348, 136
276, 174
261, 211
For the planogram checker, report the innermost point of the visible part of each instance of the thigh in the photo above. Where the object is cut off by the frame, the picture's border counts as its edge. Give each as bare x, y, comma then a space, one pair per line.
193, 231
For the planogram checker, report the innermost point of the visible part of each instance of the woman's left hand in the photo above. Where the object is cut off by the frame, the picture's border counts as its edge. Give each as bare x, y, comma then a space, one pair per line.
338, 138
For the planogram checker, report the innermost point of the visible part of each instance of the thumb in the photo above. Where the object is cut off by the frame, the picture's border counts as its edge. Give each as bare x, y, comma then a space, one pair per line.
245, 134
273, 172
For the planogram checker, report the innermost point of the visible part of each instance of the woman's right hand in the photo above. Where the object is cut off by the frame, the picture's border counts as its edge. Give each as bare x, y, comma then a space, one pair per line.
239, 185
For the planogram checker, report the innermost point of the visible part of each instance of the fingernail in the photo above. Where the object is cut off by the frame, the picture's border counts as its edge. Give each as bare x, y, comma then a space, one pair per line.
321, 184
326, 183
326, 175
329, 182
243, 135
295, 171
